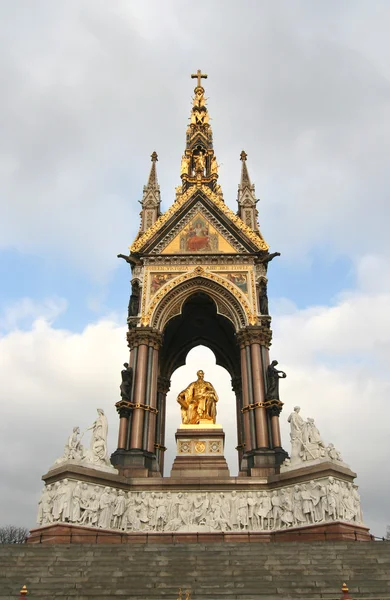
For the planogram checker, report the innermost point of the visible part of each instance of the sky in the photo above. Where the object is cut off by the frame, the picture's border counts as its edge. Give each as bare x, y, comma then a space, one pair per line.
90, 88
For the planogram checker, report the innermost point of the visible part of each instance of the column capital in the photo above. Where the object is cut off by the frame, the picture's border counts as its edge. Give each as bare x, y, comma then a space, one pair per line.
274, 407
147, 336
254, 334
163, 384
237, 384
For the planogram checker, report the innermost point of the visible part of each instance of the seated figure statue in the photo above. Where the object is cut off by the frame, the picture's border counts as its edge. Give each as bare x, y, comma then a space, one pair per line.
198, 402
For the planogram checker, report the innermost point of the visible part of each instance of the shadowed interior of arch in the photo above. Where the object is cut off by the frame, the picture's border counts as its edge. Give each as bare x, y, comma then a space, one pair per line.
203, 358
199, 324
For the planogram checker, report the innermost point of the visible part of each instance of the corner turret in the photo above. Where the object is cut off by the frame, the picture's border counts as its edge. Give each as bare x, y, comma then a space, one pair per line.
151, 200
246, 197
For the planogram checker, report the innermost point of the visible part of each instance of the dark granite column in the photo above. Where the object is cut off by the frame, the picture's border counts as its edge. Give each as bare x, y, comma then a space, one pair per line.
163, 385
259, 398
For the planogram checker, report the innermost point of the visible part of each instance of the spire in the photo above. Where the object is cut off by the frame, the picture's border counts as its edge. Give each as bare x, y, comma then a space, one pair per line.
152, 181
151, 200
199, 164
246, 196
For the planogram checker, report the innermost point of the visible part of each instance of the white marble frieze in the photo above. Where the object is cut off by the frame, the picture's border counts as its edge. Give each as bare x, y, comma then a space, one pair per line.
318, 501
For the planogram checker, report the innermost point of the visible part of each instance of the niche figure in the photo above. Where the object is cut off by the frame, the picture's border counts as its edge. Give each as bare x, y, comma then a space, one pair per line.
134, 300
263, 299
273, 376
127, 380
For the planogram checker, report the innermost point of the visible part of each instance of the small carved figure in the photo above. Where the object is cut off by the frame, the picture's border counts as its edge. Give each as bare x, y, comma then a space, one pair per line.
133, 308
185, 163
198, 401
268, 257
127, 258
73, 448
97, 452
214, 165
333, 453
200, 162
263, 298
312, 443
105, 512
75, 515
119, 509
127, 380
273, 376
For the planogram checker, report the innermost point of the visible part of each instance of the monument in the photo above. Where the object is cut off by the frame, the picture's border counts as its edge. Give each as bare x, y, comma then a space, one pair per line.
199, 276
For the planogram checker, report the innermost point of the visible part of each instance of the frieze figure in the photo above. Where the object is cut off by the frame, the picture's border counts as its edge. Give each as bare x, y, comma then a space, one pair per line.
273, 376
198, 401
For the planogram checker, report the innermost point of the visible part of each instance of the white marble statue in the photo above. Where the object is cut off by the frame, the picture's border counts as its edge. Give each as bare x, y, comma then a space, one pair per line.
97, 452
307, 446
73, 448
322, 500
96, 456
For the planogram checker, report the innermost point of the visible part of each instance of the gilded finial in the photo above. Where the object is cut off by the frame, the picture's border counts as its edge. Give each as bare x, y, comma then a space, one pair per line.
154, 156
345, 594
23, 592
180, 596
188, 595
243, 155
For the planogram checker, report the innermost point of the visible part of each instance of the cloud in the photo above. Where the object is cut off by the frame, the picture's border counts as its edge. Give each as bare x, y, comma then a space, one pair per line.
26, 310
90, 89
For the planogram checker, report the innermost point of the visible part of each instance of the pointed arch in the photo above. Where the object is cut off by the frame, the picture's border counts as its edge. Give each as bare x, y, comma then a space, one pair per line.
172, 303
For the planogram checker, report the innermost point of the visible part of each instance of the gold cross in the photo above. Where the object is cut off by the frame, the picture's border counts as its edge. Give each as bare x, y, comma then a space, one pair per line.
199, 75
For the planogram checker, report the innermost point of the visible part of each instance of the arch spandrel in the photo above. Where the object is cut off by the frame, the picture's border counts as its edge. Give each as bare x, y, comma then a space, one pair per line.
229, 301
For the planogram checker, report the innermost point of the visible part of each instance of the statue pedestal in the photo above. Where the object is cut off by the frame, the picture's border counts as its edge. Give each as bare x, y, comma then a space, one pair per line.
200, 452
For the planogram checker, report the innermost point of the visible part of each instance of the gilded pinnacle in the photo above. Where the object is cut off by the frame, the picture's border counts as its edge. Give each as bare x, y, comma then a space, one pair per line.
154, 156
243, 155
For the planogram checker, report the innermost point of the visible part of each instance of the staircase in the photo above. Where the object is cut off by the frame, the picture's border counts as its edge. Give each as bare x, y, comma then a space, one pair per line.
244, 571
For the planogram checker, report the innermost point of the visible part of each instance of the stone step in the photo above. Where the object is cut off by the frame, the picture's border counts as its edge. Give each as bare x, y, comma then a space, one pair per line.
246, 571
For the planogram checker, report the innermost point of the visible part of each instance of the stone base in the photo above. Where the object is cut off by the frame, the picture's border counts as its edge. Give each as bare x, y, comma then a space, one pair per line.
65, 533
135, 463
200, 452
216, 507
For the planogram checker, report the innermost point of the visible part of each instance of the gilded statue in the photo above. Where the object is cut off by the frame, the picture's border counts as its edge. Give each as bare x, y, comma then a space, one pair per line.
214, 165
198, 402
200, 162
185, 162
